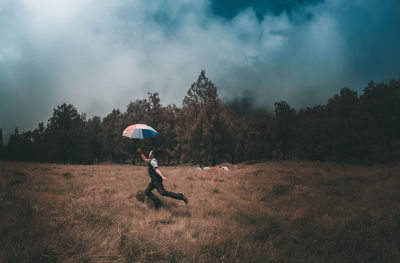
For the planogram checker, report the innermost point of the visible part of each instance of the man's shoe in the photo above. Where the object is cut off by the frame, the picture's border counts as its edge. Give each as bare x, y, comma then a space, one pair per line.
184, 199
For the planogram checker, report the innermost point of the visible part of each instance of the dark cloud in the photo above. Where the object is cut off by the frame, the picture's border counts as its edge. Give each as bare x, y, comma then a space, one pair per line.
100, 55
230, 8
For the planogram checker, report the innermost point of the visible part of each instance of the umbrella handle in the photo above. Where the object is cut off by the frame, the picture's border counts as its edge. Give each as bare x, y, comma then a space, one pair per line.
134, 152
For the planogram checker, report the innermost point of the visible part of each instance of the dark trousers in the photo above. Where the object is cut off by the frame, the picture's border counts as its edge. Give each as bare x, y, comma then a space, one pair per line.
160, 188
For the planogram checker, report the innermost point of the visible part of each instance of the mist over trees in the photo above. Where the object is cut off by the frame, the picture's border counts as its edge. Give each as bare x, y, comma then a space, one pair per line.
352, 128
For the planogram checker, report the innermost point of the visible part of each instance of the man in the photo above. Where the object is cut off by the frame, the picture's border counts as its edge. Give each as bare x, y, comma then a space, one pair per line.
156, 180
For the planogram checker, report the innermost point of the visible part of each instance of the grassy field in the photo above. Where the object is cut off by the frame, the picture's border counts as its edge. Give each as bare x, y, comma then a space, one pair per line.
267, 212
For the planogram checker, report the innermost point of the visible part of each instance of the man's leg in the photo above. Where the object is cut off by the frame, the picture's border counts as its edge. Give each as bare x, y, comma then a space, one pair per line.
148, 192
160, 188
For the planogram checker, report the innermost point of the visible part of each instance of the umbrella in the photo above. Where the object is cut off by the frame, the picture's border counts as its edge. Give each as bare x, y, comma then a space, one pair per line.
139, 131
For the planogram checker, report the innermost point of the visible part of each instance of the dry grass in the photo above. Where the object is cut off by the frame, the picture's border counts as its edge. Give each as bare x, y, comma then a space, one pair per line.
269, 212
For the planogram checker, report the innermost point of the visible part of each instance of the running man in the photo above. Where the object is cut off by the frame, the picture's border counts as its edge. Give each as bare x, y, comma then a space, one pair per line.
156, 180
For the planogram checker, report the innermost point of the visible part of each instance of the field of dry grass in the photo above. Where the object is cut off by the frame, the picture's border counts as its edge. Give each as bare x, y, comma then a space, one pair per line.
267, 212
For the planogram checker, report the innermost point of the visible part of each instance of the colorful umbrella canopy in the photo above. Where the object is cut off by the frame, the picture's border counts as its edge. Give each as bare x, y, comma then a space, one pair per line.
139, 131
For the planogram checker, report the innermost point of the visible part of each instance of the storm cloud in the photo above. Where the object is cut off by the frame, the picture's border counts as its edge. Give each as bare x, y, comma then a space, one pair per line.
99, 55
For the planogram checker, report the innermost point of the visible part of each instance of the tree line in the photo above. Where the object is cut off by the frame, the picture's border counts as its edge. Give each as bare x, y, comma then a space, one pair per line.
351, 128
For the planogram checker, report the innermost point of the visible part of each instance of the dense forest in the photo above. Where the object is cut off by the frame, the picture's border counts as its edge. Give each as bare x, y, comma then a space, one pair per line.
352, 128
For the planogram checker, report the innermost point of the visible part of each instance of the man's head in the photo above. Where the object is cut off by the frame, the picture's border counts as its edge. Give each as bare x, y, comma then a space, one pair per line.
153, 154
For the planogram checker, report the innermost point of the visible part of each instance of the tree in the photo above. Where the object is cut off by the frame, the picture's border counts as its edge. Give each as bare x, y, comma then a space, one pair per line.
39, 142
113, 142
65, 134
13, 146
344, 125
201, 122
349, 128
285, 135
379, 103
93, 150
136, 112
1, 145
167, 137
201, 93
19, 146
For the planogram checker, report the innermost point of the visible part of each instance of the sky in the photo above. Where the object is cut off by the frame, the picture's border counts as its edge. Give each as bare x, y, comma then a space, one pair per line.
100, 55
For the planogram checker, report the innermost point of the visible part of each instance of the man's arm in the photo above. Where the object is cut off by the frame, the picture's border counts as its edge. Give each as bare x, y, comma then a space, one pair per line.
143, 156
158, 171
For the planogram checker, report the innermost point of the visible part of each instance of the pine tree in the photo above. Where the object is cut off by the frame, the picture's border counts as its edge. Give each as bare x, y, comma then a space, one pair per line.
202, 126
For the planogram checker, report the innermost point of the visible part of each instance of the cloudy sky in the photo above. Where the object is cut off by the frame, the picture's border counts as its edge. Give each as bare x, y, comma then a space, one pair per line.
99, 55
